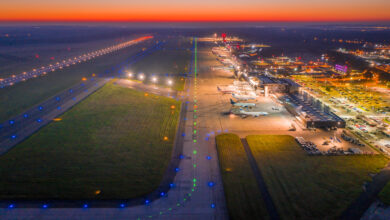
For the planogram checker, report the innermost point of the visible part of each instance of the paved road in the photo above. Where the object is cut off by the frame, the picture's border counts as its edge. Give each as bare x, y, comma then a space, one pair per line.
271, 208
363, 202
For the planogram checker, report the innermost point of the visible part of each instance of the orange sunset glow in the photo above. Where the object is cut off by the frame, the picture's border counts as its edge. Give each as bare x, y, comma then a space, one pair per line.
201, 10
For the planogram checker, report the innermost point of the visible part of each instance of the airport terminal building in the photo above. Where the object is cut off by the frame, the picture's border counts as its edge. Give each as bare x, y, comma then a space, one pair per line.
307, 109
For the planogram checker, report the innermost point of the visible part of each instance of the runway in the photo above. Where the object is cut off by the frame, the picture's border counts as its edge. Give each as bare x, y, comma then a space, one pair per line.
197, 190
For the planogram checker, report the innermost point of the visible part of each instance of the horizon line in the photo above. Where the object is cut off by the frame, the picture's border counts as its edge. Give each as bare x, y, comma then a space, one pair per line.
190, 21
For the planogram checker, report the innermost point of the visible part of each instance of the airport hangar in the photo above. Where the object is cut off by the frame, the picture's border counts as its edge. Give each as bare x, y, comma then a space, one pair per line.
310, 111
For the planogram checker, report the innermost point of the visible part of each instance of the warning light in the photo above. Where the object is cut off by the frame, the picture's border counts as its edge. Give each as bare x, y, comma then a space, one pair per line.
223, 35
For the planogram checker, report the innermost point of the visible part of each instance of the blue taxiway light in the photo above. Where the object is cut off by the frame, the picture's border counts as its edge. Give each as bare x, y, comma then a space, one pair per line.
13, 136
162, 194
172, 185
85, 206
147, 201
59, 107
122, 205
40, 108
211, 184
25, 115
212, 205
39, 120
208, 158
71, 90
181, 156
11, 122
177, 169
11, 206
183, 134
45, 206
58, 98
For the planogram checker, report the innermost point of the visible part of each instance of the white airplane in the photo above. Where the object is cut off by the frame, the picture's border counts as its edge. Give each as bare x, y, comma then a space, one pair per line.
225, 91
242, 104
243, 55
244, 97
254, 114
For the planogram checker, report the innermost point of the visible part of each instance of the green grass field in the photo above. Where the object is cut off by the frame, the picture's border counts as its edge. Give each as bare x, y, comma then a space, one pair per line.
243, 197
118, 141
384, 195
16, 99
310, 187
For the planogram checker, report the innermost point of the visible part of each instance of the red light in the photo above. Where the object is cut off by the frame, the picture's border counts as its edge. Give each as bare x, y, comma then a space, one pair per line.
223, 36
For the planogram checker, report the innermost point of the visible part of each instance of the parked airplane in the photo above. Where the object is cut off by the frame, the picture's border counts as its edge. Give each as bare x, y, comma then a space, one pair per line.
243, 55
244, 97
242, 104
254, 114
250, 53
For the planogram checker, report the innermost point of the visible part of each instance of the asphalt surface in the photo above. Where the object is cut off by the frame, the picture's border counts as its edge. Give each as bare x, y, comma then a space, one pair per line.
271, 208
369, 196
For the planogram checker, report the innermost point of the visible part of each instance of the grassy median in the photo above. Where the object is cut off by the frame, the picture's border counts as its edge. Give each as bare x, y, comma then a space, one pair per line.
310, 187
116, 144
242, 194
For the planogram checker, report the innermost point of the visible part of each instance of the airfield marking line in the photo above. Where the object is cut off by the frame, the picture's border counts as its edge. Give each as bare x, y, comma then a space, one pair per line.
271, 208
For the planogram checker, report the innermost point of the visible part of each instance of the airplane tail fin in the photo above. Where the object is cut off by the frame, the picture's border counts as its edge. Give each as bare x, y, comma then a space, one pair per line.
218, 88
232, 102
